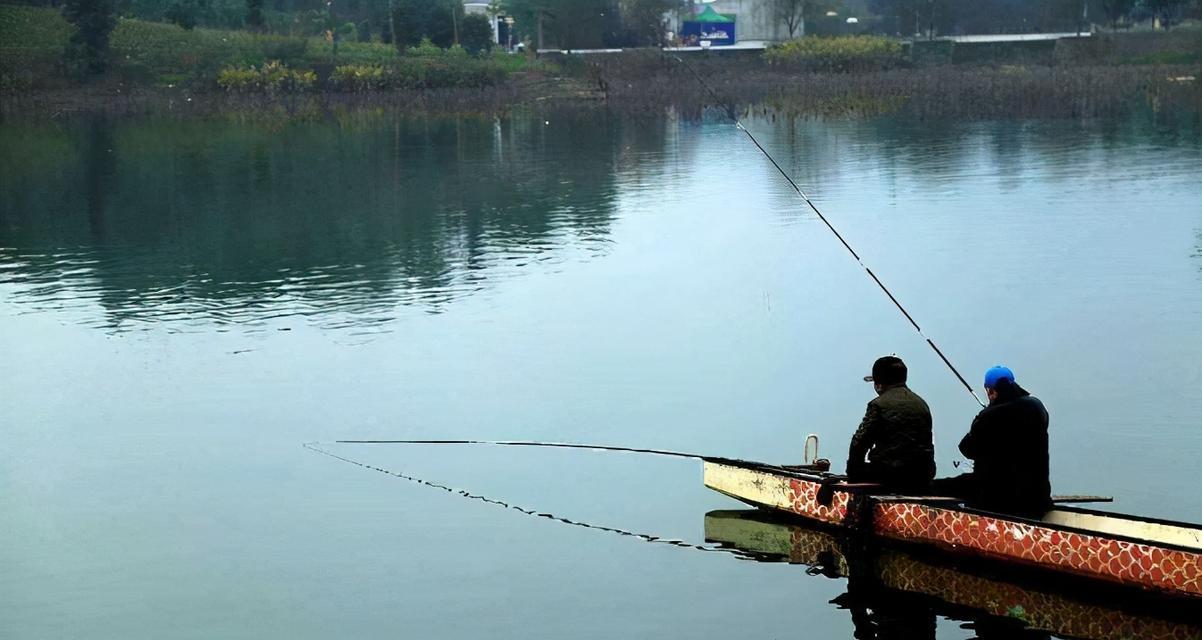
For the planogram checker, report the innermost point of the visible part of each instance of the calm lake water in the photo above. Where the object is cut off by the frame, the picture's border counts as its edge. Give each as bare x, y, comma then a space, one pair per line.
184, 304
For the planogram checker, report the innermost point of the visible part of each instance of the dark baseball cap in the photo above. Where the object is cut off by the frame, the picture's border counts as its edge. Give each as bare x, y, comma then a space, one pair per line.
887, 370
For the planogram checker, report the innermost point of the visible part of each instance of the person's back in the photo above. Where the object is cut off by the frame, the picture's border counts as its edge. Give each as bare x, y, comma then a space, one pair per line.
895, 434
1008, 444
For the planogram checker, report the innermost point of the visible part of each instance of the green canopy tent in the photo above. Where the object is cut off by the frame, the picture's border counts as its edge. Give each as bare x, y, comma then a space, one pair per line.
710, 26
709, 15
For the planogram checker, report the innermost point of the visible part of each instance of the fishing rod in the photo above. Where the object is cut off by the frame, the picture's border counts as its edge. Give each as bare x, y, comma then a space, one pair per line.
730, 113
812, 464
531, 443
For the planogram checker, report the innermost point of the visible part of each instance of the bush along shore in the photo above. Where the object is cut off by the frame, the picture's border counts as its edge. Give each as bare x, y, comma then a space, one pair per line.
156, 67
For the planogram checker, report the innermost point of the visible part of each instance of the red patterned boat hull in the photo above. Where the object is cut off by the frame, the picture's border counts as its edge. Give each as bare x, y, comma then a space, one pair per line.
1169, 565
1072, 615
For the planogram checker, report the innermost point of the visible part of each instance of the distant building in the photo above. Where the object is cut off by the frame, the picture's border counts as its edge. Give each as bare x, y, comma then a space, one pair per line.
475, 6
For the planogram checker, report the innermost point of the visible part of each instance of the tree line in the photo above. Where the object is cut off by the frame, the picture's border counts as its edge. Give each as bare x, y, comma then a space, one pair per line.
589, 23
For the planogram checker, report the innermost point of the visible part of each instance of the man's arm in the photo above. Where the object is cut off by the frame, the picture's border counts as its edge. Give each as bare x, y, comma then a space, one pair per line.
974, 442
863, 439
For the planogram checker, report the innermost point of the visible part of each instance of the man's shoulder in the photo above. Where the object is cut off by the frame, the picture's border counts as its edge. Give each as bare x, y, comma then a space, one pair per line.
1017, 406
901, 396
1030, 399
1033, 404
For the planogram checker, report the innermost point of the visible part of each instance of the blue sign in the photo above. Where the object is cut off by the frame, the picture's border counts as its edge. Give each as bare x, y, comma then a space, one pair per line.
718, 33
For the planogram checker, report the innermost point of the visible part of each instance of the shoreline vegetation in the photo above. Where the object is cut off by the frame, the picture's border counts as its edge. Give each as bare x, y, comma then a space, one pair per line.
161, 68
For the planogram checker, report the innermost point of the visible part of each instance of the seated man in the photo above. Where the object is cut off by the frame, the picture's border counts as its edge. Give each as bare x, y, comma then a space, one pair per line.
1008, 444
895, 434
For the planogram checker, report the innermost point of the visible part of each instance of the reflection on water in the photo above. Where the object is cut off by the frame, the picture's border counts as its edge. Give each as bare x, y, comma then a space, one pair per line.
342, 222
942, 155
230, 224
893, 594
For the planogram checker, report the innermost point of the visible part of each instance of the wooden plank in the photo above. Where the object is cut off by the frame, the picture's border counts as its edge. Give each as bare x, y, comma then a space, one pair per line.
1153, 532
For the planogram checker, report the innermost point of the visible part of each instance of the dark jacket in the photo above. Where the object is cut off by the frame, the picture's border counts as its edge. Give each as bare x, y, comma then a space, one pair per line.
896, 436
1008, 444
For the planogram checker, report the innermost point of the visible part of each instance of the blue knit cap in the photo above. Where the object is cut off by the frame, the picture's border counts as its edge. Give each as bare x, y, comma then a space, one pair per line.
997, 373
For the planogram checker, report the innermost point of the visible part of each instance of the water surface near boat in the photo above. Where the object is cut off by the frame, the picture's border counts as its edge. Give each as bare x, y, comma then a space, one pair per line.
182, 304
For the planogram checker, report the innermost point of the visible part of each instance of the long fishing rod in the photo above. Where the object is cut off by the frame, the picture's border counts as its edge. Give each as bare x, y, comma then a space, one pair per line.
821, 471
730, 112
531, 443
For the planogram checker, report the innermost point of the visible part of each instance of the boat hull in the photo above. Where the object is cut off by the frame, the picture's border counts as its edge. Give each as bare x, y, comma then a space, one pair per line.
764, 538
948, 525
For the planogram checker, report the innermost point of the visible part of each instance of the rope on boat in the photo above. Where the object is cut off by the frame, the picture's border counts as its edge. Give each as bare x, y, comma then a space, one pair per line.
645, 537
730, 113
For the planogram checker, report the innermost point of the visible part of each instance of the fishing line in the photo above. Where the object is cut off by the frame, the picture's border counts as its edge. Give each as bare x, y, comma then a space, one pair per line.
645, 537
730, 112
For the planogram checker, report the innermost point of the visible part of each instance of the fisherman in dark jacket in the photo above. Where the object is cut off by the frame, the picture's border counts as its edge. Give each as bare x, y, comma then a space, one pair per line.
1008, 444
895, 434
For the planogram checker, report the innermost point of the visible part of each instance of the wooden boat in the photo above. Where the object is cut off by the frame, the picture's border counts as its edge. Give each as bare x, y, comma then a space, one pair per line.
884, 577
1151, 555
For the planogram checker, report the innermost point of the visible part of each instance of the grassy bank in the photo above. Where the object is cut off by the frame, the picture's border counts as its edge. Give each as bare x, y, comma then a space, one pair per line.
951, 91
936, 93
162, 67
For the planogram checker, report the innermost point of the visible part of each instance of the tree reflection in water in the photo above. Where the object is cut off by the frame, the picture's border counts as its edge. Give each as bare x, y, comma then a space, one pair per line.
222, 222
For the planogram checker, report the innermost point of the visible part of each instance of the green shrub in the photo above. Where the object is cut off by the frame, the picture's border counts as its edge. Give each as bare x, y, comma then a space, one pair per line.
451, 72
273, 77
350, 52
359, 77
237, 79
426, 49
33, 28
840, 54
166, 48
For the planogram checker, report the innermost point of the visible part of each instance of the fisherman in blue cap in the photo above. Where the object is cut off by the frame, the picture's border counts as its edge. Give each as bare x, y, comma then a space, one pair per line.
1008, 444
